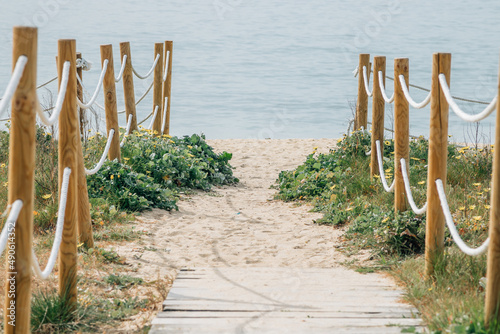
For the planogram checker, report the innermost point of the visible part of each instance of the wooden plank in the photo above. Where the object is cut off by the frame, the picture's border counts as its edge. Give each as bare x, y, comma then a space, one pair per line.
282, 300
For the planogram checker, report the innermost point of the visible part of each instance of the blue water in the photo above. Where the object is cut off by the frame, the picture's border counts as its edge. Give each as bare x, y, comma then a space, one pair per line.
267, 68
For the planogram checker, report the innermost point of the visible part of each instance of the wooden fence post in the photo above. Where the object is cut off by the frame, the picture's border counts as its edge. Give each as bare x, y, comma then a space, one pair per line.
361, 117
128, 86
167, 85
492, 302
378, 108
21, 185
157, 89
437, 161
79, 94
110, 102
401, 132
69, 138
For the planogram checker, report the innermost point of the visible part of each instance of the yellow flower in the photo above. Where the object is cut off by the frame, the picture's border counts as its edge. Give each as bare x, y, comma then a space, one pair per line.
349, 209
5, 184
476, 184
477, 218
112, 177
458, 157
101, 222
339, 140
388, 170
479, 193
80, 245
126, 159
421, 182
385, 219
171, 142
2, 165
190, 147
472, 207
487, 207
47, 196
166, 177
35, 213
387, 142
416, 159
190, 155
462, 208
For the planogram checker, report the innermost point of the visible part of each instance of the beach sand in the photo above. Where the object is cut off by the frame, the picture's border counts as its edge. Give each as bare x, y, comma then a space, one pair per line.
241, 225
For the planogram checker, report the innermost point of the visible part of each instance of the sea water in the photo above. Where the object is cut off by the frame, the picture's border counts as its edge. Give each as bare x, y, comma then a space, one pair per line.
268, 68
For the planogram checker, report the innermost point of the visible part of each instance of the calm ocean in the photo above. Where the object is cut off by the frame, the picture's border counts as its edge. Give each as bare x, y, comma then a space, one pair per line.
267, 68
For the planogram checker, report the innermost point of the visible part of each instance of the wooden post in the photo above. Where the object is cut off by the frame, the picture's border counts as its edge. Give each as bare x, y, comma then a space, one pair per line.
157, 89
493, 270
110, 102
128, 85
361, 117
378, 108
79, 94
21, 185
167, 85
438, 154
401, 132
69, 139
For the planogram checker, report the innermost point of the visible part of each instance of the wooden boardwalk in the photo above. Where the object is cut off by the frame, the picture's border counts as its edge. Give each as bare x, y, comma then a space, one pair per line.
283, 300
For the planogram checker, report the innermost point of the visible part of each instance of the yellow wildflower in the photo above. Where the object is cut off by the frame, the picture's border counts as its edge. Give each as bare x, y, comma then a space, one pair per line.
47, 196
421, 182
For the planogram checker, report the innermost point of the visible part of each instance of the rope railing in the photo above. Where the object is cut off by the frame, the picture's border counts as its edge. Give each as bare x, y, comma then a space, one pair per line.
10, 223
59, 230
416, 105
145, 119
147, 75
381, 170
127, 130
13, 83
165, 66
453, 229
365, 80
97, 89
382, 88
60, 98
414, 207
155, 111
103, 156
122, 69
464, 116
164, 115
141, 98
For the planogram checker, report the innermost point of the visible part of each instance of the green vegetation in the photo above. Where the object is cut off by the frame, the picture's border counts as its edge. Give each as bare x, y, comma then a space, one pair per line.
338, 184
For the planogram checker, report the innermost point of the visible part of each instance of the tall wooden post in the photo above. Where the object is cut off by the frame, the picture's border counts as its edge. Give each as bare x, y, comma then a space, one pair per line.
69, 139
402, 132
158, 87
21, 185
437, 161
378, 108
492, 303
167, 85
361, 117
128, 85
110, 102
79, 94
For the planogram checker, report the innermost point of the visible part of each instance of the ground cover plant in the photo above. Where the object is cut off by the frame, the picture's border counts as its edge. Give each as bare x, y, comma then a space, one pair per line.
153, 172
338, 184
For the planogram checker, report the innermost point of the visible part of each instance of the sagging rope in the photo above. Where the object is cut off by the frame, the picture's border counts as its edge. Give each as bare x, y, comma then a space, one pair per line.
10, 223
141, 98
164, 114
365, 80
104, 154
45, 84
150, 71
119, 77
13, 83
155, 111
453, 229
144, 120
127, 130
60, 98
97, 89
406, 92
464, 116
381, 170
59, 231
414, 207
166, 66
382, 88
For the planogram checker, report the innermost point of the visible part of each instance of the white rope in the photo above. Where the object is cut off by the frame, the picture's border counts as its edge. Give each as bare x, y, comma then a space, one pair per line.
127, 130
408, 191
381, 170
154, 117
119, 77
451, 225
464, 116
166, 66
382, 88
13, 83
59, 231
104, 154
99, 84
60, 98
164, 115
414, 104
365, 79
10, 223
150, 71
141, 98
368, 153
45, 84
84, 64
